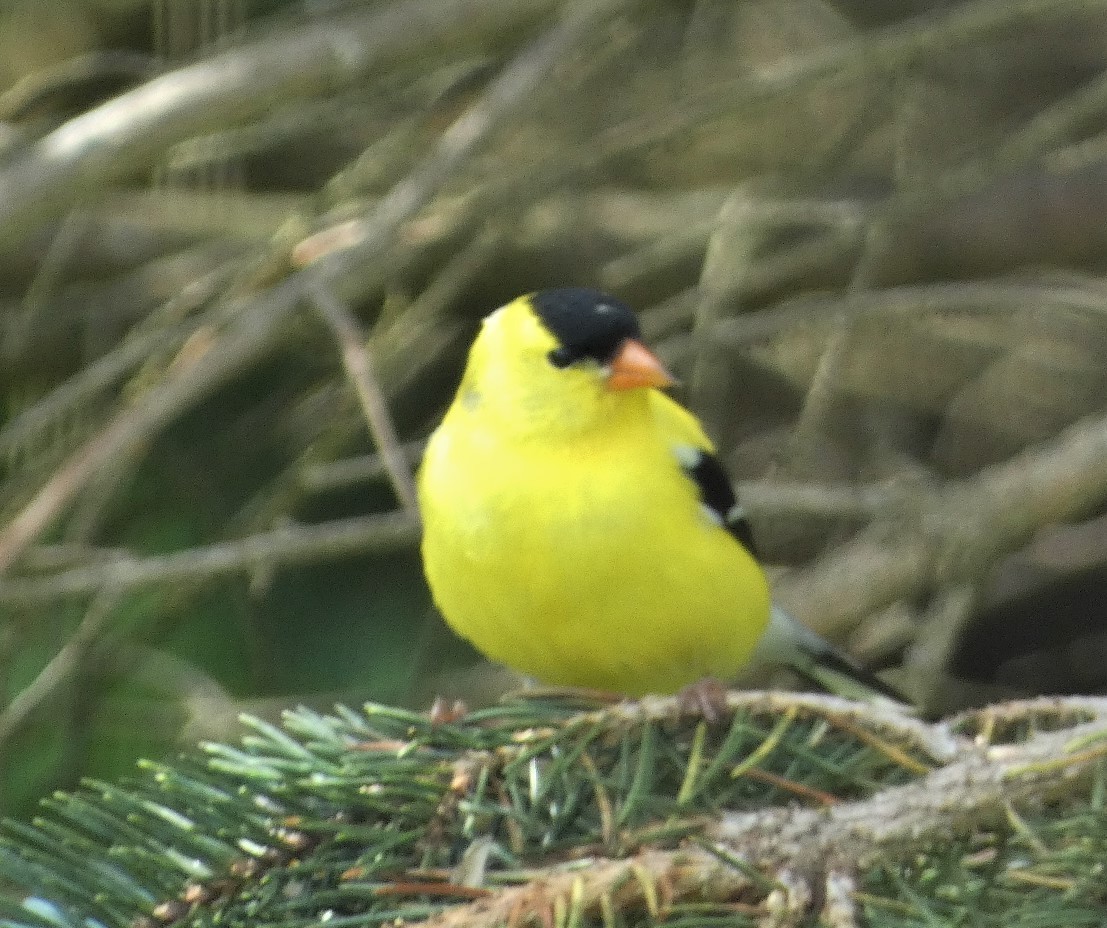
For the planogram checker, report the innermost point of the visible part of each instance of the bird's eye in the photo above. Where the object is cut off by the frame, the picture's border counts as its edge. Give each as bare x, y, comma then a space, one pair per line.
562, 357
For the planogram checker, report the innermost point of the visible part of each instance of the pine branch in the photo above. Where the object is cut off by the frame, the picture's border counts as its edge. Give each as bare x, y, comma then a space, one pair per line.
535, 812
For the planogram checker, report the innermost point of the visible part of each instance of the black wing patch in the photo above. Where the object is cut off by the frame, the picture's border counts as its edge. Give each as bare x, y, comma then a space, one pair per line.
717, 495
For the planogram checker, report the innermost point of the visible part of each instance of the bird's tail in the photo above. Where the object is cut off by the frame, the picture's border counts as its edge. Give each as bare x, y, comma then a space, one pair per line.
788, 641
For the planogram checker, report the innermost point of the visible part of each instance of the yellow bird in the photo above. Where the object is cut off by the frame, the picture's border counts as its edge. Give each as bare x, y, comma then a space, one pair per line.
578, 526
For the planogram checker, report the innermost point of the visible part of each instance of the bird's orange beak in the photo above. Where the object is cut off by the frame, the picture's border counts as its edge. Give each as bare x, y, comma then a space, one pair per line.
634, 365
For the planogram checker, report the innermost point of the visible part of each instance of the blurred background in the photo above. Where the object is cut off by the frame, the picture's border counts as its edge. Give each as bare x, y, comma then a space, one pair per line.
869, 238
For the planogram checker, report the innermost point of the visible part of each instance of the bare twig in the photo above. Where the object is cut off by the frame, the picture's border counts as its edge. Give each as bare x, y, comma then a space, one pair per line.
257, 326
359, 368
48, 275
861, 502
290, 544
350, 472
631, 884
253, 332
898, 721
90, 381
505, 96
411, 343
87, 154
730, 252
951, 534
761, 498
62, 667
964, 297
967, 791
933, 649
26, 94
821, 417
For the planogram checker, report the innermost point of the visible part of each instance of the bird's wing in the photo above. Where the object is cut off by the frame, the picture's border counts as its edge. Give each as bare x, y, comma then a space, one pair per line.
696, 455
786, 640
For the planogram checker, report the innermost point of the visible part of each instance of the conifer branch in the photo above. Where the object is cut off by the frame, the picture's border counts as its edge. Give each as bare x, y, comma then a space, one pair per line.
637, 809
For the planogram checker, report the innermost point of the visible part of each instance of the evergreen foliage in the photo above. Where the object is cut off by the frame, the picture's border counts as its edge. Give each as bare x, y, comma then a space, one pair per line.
543, 810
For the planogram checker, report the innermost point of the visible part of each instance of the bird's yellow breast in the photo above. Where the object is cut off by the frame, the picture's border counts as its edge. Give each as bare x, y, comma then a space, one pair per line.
588, 562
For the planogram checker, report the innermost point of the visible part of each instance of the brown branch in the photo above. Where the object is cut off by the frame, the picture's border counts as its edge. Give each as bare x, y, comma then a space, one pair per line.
61, 668
730, 253
860, 502
360, 369
824, 416
411, 342
88, 382
99, 68
760, 498
504, 98
88, 154
287, 545
953, 533
258, 324
253, 332
969, 790
978, 297
634, 884
351, 472
898, 721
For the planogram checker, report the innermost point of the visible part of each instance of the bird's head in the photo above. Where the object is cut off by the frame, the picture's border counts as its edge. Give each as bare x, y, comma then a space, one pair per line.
560, 360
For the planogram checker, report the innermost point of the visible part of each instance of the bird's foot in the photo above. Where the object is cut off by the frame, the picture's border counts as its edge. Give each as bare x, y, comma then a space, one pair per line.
444, 712
706, 697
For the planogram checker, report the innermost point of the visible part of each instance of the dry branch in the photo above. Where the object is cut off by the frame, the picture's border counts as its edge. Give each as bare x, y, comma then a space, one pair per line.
130, 132
284, 546
258, 325
955, 532
253, 332
62, 667
359, 368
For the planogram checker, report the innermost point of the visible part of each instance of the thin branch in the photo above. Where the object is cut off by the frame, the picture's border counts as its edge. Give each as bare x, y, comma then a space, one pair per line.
781, 499
761, 498
633, 884
898, 721
253, 332
359, 368
54, 261
88, 154
63, 666
823, 416
89, 381
504, 98
351, 472
20, 100
285, 546
953, 533
257, 326
953, 799
730, 252
963, 297
410, 344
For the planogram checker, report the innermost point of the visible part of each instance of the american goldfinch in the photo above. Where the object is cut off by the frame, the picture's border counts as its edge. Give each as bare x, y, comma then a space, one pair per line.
578, 526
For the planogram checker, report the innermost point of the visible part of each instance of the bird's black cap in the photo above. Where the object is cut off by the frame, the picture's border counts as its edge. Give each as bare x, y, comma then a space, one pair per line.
587, 323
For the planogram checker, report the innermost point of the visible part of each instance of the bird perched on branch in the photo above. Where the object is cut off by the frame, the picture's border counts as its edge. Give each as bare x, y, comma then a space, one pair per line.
578, 526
